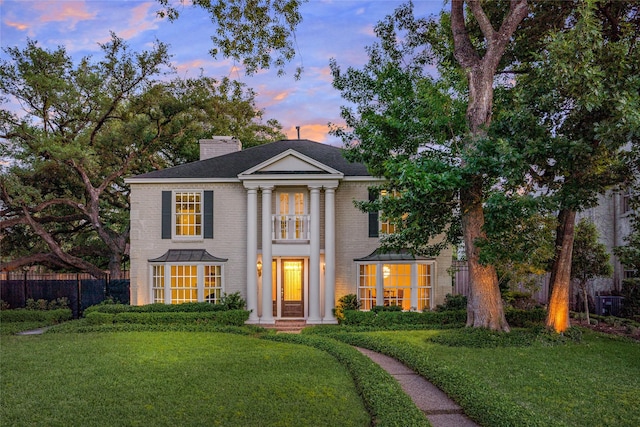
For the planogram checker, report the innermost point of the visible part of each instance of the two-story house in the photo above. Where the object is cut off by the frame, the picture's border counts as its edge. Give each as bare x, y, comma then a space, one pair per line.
277, 223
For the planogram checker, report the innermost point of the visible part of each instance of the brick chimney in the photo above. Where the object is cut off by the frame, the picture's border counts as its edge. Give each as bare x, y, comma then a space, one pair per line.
218, 146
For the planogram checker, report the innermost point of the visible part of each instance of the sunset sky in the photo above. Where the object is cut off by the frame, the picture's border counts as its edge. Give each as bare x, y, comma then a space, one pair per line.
337, 29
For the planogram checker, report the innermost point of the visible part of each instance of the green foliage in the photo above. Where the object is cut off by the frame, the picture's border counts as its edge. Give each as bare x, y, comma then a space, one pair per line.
233, 301
188, 307
631, 302
346, 302
380, 308
229, 317
4, 305
381, 393
485, 405
85, 127
590, 257
485, 338
259, 34
42, 304
519, 300
389, 318
521, 318
52, 317
453, 302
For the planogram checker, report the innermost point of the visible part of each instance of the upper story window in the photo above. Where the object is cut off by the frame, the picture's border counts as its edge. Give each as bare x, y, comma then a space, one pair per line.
188, 214
625, 202
291, 221
387, 225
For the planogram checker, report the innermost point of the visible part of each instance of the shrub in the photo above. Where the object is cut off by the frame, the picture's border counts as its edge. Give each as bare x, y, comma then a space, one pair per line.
4, 305
233, 301
519, 318
631, 302
346, 302
43, 304
187, 307
520, 300
453, 303
379, 308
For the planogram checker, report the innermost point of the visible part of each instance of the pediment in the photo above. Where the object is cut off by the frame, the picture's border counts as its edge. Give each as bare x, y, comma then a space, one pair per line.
290, 162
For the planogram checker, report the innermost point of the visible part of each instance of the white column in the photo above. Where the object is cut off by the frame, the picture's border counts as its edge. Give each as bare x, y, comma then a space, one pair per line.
267, 257
252, 254
380, 284
329, 255
314, 259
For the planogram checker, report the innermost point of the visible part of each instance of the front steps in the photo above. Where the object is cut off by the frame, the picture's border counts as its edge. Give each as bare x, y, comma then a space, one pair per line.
287, 326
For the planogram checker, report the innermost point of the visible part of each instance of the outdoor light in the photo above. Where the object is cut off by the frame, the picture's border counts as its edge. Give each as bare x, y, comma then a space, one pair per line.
259, 267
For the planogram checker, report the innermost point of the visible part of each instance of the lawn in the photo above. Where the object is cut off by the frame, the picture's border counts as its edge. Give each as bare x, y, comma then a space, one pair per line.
172, 379
592, 383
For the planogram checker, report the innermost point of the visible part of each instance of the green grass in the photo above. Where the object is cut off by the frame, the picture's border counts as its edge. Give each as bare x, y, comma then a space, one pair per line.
172, 379
592, 383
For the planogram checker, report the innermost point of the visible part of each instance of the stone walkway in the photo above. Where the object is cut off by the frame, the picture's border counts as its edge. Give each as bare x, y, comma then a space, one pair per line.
440, 410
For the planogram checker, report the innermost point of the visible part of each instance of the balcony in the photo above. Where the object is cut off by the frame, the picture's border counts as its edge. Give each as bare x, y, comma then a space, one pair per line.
290, 228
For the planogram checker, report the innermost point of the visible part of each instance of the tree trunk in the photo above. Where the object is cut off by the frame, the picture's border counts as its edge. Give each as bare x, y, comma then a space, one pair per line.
484, 308
586, 303
558, 312
484, 303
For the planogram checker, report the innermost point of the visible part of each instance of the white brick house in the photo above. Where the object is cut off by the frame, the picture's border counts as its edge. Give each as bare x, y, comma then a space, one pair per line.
277, 223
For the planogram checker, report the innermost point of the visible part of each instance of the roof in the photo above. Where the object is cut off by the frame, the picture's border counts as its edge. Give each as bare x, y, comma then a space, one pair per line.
187, 255
232, 164
402, 255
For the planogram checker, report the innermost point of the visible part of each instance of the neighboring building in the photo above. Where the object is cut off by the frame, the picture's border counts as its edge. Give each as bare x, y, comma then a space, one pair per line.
612, 217
277, 223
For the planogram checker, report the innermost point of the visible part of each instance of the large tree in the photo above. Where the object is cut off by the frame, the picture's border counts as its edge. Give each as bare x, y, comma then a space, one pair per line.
423, 133
572, 112
82, 128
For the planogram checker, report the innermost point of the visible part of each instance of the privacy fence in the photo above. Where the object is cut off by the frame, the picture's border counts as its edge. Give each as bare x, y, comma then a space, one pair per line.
81, 290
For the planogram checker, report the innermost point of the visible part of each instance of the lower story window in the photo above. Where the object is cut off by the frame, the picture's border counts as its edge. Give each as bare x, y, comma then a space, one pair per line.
367, 286
179, 283
406, 285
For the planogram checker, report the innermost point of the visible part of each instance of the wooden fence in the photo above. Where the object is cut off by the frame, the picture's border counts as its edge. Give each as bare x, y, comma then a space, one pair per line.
81, 290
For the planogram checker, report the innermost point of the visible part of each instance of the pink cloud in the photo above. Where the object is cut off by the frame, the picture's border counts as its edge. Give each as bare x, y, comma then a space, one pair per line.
17, 25
64, 11
141, 20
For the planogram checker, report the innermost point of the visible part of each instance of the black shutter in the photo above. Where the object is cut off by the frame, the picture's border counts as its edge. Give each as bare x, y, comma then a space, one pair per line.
166, 214
374, 227
208, 215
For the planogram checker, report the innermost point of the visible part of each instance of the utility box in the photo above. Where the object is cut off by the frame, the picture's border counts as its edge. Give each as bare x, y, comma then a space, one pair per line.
608, 305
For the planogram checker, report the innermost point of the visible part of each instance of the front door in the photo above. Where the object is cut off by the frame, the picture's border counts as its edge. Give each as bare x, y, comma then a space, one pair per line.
292, 288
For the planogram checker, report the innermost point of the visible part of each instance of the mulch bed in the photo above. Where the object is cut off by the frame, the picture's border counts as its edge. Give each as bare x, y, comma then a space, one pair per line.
604, 327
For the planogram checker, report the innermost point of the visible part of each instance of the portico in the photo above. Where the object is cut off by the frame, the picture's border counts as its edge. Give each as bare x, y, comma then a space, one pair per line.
291, 264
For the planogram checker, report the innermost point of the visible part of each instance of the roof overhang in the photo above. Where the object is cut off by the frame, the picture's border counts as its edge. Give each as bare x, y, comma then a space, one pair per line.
187, 255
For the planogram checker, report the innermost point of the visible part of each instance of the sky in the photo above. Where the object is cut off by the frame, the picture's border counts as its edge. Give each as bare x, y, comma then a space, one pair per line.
339, 29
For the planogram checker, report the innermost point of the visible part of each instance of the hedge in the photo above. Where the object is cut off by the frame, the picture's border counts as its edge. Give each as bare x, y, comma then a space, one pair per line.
22, 315
230, 317
515, 318
382, 395
190, 307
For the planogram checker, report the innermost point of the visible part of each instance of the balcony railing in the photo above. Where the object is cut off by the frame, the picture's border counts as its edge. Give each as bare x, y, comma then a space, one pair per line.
290, 227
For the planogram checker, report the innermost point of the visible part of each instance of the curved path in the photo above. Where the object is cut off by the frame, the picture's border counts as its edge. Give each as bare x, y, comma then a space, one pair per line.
440, 410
